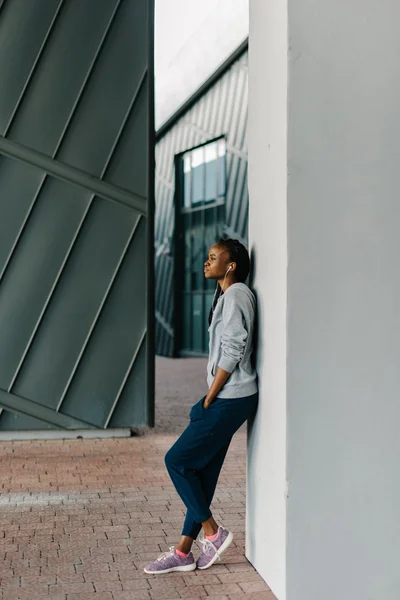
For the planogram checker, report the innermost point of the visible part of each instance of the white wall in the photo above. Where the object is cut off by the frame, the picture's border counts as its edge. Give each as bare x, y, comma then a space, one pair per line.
343, 290
266, 505
343, 298
192, 39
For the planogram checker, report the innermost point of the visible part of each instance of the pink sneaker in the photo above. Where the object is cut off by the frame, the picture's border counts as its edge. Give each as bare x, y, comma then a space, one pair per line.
171, 561
212, 549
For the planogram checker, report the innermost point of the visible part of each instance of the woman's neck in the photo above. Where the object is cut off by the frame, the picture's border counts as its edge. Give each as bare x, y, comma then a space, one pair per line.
226, 285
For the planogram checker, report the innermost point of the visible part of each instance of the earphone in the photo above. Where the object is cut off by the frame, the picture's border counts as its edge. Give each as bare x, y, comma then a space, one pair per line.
221, 288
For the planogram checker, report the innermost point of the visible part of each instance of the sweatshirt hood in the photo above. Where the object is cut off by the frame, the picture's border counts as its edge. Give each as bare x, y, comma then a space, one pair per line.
244, 288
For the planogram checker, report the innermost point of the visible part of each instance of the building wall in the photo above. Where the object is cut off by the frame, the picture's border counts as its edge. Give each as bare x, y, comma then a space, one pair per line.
266, 467
222, 110
342, 319
343, 290
76, 214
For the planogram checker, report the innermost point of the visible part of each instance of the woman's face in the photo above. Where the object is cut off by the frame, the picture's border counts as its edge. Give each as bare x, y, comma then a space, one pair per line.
217, 263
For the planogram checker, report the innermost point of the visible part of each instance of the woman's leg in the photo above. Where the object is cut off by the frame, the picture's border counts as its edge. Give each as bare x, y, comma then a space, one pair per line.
195, 460
185, 461
208, 435
210, 527
209, 478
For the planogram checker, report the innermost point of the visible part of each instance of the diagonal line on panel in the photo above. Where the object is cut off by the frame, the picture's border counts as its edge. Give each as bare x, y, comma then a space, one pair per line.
61, 139
97, 316
20, 405
65, 172
128, 372
18, 103
125, 120
163, 323
206, 135
59, 274
34, 66
49, 297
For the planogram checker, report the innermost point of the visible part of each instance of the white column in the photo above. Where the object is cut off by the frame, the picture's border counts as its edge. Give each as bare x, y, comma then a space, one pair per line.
325, 232
266, 506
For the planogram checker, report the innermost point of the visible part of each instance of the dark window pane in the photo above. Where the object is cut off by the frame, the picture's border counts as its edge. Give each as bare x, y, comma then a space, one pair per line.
188, 251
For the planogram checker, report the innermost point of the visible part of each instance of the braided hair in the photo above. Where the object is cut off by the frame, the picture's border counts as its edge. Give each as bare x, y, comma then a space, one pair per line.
237, 254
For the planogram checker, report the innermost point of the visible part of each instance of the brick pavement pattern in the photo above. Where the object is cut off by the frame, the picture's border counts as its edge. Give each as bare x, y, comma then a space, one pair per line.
80, 518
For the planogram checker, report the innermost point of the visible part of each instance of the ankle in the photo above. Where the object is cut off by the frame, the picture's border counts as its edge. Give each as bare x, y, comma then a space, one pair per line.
185, 548
185, 544
210, 530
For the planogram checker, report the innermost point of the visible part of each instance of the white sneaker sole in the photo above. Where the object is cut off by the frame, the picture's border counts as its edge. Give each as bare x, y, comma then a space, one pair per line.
224, 546
185, 568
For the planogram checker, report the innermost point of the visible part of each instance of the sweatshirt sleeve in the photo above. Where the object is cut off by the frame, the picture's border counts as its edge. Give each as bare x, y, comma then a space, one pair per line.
234, 334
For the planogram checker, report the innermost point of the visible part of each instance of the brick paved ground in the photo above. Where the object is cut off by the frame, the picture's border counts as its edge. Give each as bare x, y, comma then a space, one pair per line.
79, 519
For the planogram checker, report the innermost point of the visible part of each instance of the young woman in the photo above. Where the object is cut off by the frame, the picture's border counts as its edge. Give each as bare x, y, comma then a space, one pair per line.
195, 460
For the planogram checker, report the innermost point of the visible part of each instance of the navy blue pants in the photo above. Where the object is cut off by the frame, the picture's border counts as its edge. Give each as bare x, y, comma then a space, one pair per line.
195, 460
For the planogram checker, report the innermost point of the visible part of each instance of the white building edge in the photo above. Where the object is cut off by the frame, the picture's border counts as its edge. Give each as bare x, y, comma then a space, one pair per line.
323, 462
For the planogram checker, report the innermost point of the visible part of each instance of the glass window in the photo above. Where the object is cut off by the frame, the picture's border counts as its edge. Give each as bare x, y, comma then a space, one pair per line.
202, 201
204, 174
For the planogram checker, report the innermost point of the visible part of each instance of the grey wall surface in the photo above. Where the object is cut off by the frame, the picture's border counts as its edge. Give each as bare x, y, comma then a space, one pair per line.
222, 110
326, 151
343, 301
76, 213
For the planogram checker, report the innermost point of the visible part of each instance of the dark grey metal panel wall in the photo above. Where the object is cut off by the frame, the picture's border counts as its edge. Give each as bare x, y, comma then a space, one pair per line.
76, 213
222, 110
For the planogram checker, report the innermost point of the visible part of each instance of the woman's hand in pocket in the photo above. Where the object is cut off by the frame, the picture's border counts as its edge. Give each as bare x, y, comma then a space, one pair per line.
207, 401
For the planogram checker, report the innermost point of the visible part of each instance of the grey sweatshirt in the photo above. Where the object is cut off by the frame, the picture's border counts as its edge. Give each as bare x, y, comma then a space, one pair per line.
231, 342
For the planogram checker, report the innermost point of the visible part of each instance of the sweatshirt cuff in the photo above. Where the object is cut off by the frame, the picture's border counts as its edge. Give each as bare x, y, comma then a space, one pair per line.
227, 364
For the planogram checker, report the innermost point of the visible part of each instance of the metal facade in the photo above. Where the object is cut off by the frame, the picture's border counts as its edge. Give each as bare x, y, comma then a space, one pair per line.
220, 110
76, 214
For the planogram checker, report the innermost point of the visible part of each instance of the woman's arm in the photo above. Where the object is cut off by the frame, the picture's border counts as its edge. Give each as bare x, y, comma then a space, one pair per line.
220, 379
233, 342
